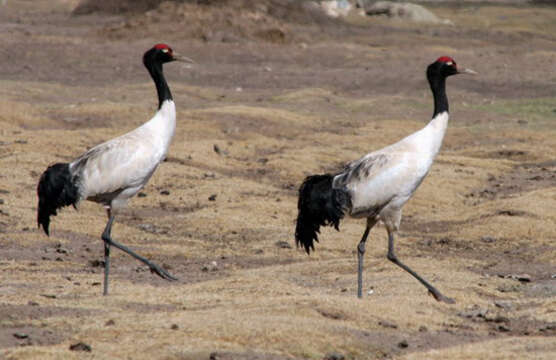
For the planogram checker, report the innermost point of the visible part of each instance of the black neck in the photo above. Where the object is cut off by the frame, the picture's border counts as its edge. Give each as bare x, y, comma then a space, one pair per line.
437, 81
438, 87
155, 69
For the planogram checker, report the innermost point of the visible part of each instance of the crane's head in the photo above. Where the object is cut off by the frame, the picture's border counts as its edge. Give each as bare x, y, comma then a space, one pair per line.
445, 66
163, 53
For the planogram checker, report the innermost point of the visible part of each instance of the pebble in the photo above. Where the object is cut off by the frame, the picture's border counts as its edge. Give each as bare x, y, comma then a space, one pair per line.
212, 197
80, 346
283, 244
403, 344
333, 356
19, 335
387, 324
506, 305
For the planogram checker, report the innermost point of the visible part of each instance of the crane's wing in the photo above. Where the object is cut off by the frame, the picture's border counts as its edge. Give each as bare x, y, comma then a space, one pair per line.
362, 169
126, 162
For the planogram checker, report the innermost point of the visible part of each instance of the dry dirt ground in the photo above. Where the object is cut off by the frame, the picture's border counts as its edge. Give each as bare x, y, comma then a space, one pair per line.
274, 96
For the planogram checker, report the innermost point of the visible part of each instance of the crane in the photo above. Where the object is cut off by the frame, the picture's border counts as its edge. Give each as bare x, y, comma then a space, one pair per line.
377, 185
113, 172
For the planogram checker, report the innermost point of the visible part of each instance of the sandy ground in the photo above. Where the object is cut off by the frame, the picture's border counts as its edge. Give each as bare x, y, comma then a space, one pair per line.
280, 97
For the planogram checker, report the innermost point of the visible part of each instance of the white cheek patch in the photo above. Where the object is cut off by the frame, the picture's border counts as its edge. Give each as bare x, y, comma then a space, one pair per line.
164, 50
449, 63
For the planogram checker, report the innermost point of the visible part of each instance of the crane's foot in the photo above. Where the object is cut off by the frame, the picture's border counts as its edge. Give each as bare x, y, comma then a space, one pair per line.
161, 272
439, 297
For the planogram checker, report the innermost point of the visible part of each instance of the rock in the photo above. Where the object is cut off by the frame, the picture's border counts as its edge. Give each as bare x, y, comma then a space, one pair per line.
387, 324
174, 327
165, 192
283, 244
404, 11
49, 296
488, 239
333, 356
19, 335
212, 197
336, 8
474, 312
506, 305
96, 263
213, 266
522, 277
403, 344
110, 323
80, 346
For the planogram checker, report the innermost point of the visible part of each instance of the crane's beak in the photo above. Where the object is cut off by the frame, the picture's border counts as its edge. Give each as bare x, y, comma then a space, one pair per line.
178, 57
467, 71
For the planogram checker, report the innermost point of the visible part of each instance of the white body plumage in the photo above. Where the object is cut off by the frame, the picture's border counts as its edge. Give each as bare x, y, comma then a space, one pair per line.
112, 172
382, 181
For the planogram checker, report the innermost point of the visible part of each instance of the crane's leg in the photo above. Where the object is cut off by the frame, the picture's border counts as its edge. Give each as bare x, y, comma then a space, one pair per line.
393, 258
108, 241
360, 256
106, 232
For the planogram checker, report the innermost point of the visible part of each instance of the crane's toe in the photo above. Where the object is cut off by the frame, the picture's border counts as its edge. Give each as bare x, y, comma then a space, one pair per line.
162, 273
439, 297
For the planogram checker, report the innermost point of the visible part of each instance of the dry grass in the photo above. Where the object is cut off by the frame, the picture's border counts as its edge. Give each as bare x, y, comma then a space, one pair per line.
485, 212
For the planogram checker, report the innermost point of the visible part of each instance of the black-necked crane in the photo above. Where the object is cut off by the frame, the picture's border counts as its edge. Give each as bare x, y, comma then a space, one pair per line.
377, 185
114, 171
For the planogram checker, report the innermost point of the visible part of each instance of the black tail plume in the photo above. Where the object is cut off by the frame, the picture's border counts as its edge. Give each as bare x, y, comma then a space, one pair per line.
56, 189
319, 205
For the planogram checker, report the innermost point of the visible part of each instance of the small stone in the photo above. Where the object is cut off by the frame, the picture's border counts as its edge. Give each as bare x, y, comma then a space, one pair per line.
503, 328
334, 356
387, 324
283, 244
488, 239
19, 335
96, 283
49, 296
96, 263
523, 277
548, 327
33, 303
141, 194
80, 346
403, 344
61, 250
174, 327
165, 192
110, 322
506, 305
474, 312
423, 328
212, 197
